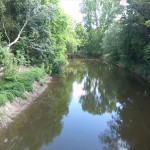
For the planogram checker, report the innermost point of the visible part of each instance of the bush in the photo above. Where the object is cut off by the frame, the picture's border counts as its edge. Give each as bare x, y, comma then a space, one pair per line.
27, 82
13, 86
16, 93
5, 96
3, 99
58, 66
8, 95
33, 75
24, 81
9, 63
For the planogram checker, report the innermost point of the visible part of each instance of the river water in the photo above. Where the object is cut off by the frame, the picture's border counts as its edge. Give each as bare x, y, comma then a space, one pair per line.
93, 106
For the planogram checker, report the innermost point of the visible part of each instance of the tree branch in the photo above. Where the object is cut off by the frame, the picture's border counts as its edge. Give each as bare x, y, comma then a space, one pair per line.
18, 37
6, 32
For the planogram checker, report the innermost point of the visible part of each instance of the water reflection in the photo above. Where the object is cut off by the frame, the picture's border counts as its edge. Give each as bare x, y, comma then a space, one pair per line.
112, 139
131, 124
96, 100
118, 106
105, 85
39, 124
100, 96
109, 89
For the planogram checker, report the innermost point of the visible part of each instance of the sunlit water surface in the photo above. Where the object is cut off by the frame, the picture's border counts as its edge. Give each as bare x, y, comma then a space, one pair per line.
93, 106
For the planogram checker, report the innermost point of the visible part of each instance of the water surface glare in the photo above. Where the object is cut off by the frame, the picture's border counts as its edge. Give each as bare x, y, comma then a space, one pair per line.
93, 106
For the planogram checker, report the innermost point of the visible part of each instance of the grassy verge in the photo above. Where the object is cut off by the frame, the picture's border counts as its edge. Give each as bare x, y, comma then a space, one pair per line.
9, 90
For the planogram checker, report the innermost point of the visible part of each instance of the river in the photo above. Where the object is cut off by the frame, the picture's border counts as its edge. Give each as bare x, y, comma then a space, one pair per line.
92, 106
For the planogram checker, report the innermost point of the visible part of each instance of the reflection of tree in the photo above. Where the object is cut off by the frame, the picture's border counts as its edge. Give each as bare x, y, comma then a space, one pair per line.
105, 85
100, 90
41, 123
76, 69
104, 88
130, 127
112, 139
94, 101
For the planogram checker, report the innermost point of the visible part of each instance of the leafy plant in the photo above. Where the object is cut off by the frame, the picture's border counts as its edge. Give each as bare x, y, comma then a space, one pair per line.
9, 63
58, 66
23, 82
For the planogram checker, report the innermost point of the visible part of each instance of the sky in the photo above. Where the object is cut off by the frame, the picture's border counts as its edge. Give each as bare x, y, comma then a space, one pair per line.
72, 8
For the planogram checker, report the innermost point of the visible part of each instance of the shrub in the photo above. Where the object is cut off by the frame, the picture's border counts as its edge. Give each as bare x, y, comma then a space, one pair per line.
13, 86
8, 95
27, 82
16, 93
3, 99
24, 81
9, 63
58, 65
32, 75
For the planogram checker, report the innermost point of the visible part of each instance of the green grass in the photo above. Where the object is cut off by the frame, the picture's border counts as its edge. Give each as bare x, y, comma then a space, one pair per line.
24, 81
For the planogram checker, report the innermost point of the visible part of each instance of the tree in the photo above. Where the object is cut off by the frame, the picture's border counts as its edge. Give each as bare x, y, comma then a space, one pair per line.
111, 42
39, 29
81, 34
131, 43
97, 16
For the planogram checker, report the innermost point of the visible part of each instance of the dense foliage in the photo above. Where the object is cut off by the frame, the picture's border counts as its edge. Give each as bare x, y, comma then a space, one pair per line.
39, 30
97, 16
40, 33
119, 32
24, 81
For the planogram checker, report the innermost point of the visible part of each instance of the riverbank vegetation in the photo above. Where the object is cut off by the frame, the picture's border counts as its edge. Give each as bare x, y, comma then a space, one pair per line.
39, 33
38, 30
9, 90
32, 33
118, 32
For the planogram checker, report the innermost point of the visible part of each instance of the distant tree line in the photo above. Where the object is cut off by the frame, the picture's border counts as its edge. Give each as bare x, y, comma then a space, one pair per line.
117, 32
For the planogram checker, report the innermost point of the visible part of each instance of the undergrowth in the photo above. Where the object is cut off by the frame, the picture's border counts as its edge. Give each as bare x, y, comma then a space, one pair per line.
9, 90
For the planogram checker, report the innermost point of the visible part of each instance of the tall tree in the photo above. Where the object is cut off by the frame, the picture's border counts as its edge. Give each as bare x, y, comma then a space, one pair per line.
37, 29
97, 16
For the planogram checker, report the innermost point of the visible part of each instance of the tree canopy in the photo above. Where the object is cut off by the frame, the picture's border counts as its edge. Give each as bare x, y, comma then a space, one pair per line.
39, 30
118, 32
43, 34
